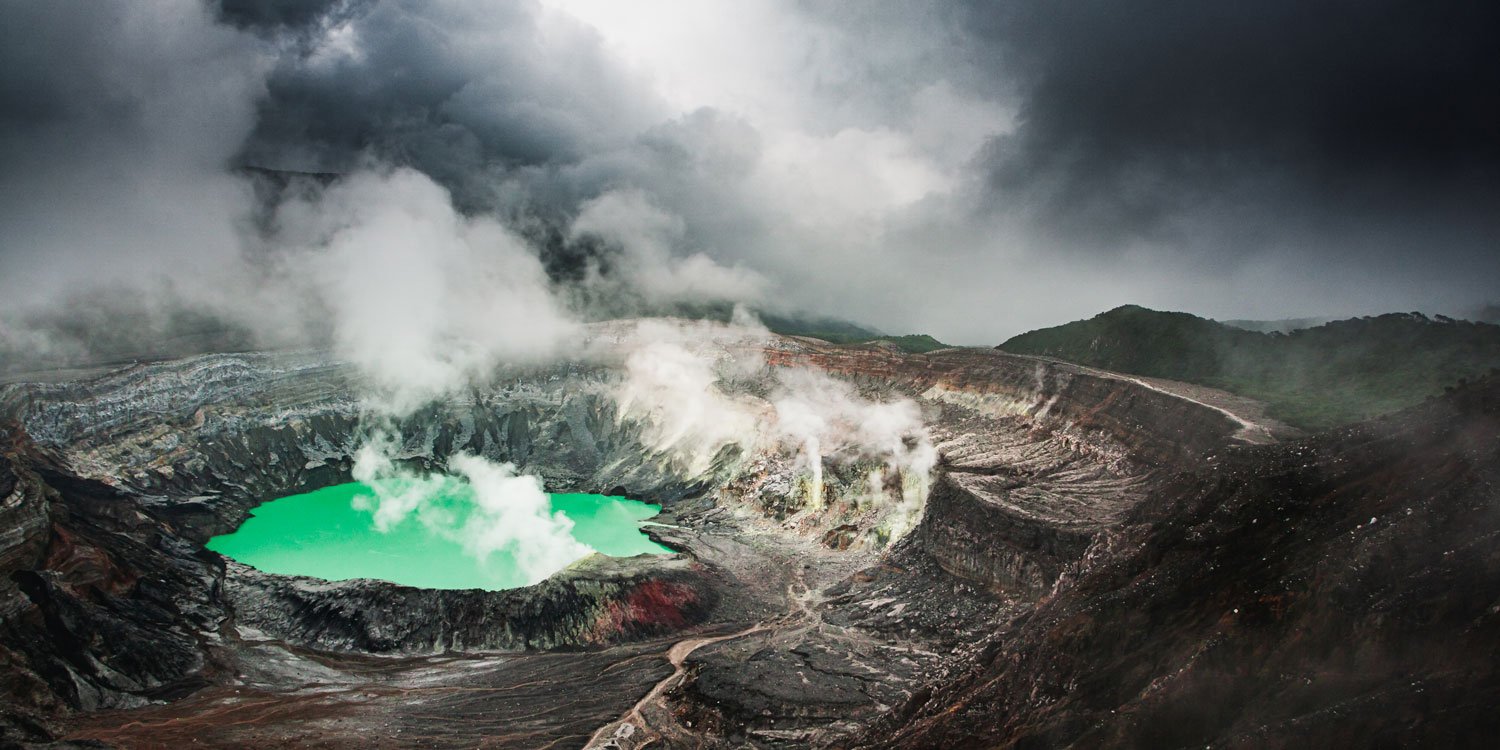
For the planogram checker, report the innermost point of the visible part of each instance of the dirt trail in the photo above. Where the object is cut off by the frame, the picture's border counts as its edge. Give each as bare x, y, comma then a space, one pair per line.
633, 722
1255, 426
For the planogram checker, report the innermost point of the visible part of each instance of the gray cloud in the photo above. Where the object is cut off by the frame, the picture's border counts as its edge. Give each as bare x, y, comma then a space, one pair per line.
969, 170
1335, 158
1240, 127
460, 90
116, 132
276, 16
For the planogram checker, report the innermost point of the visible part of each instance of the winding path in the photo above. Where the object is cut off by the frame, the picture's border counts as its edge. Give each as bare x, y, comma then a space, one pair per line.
611, 735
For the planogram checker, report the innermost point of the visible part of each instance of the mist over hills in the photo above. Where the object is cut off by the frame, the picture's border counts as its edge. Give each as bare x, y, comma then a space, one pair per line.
1283, 325
108, 330
1316, 377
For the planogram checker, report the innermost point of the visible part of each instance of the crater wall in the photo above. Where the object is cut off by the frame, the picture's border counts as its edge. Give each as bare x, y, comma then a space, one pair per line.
115, 479
1038, 456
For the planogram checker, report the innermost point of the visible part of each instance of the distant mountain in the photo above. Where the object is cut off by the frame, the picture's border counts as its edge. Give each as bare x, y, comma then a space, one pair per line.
101, 331
830, 329
833, 330
1285, 325
1488, 314
1314, 378
844, 332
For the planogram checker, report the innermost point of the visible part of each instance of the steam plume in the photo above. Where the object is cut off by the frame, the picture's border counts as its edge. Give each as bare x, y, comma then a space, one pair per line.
690, 382
497, 510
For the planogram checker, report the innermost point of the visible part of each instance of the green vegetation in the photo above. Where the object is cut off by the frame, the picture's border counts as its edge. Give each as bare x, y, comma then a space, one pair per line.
831, 330
1285, 325
1313, 378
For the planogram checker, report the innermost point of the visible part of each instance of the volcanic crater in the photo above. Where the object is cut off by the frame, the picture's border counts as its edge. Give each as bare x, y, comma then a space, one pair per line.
773, 624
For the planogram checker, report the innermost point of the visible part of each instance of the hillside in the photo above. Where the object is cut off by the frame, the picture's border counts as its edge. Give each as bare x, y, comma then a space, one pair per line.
1313, 378
1284, 325
913, 343
1334, 591
832, 330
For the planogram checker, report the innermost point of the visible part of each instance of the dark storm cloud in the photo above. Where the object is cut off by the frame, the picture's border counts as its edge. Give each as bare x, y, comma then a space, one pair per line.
517, 109
1138, 119
115, 132
970, 170
117, 123
279, 15
1221, 150
457, 90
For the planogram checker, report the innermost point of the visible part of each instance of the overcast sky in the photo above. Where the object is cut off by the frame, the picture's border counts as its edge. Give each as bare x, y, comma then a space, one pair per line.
970, 170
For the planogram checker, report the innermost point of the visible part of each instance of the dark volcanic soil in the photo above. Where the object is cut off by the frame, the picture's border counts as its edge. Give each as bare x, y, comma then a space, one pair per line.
1339, 591
1102, 561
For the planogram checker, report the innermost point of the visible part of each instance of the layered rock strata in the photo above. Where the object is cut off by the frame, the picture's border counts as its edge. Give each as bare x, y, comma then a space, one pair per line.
799, 625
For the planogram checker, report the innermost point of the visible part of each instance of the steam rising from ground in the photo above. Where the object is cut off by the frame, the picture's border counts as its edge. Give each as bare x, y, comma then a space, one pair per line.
688, 382
503, 512
692, 386
513, 513
828, 419
672, 375
119, 169
422, 300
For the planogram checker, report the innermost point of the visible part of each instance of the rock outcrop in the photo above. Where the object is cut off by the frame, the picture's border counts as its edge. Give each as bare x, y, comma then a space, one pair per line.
779, 623
1338, 591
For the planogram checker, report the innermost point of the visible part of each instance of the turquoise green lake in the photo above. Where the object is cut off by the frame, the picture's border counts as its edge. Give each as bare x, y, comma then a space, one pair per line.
327, 534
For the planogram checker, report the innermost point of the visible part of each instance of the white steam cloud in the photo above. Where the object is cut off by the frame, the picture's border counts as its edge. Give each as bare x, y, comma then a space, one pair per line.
647, 235
397, 493
499, 511
827, 418
685, 382
513, 513
423, 300
672, 372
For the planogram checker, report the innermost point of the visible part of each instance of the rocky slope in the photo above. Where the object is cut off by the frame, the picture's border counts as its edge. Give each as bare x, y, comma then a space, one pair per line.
777, 624
1339, 591
1314, 377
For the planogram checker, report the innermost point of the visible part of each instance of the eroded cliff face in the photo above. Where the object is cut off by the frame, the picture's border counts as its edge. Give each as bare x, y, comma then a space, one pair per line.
204, 440
1038, 460
1038, 457
103, 607
1337, 591
116, 480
